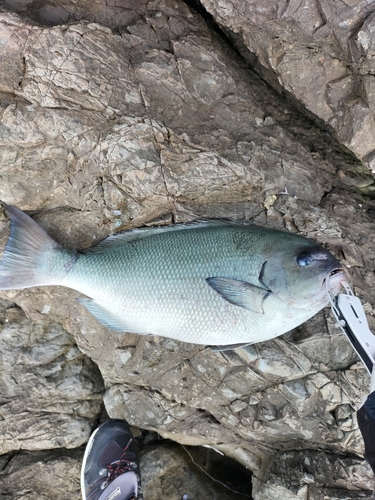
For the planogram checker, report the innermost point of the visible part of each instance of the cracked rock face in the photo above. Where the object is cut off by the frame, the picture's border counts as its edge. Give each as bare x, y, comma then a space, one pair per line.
50, 392
319, 52
113, 117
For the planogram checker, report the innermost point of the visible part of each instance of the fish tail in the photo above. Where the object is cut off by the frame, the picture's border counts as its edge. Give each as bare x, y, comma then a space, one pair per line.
28, 255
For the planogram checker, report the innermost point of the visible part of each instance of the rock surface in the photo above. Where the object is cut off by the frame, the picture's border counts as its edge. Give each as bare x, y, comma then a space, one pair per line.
314, 475
168, 470
163, 463
114, 117
50, 393
41, 475
322, 53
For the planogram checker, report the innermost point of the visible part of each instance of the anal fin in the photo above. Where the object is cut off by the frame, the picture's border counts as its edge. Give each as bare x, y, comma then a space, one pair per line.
229, 347
105, 317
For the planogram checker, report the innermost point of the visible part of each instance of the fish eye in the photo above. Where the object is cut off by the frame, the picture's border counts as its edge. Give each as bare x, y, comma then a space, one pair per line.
304, 259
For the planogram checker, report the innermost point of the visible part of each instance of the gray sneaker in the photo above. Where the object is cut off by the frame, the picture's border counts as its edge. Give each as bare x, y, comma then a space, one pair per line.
110, 468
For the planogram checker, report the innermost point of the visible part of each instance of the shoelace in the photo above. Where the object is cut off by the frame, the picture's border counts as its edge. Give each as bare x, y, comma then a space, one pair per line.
118, 467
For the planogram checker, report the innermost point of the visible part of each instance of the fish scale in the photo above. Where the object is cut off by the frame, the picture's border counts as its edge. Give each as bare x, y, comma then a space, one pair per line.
212, 282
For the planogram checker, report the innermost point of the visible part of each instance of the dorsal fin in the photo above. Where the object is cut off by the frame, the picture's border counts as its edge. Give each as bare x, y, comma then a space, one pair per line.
142, 232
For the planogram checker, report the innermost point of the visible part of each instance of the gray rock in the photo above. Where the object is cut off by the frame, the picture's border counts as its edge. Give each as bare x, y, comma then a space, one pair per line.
145, 115
314, 475
173, 472
50, 393
168, 471
320, 53
42, 475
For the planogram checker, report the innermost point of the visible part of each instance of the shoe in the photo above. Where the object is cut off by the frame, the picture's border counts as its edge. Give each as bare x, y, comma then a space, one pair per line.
110, 468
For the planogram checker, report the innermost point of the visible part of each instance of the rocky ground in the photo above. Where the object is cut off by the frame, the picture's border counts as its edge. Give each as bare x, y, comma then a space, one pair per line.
124, 113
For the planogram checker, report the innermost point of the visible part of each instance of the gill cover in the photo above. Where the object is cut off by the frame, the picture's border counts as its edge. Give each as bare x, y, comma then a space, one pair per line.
297, 275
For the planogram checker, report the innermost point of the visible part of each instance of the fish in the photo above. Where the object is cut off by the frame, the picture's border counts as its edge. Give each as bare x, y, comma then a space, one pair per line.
212, 282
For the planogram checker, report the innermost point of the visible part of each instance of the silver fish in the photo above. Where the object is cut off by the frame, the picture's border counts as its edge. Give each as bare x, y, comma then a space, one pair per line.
211, 283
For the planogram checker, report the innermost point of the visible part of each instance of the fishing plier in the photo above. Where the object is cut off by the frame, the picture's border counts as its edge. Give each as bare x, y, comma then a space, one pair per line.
351, 318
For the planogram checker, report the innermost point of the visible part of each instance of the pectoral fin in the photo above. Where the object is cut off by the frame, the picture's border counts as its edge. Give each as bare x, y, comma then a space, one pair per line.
240, 293
105, 317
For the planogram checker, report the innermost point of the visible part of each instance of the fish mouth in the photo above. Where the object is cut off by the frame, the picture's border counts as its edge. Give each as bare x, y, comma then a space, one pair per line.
336, 271
334, 279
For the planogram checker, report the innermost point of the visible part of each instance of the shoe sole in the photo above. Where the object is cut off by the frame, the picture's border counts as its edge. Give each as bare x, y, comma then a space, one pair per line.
85, 456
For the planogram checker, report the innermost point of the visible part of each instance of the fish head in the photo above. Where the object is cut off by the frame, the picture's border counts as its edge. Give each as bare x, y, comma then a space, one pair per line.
301, 275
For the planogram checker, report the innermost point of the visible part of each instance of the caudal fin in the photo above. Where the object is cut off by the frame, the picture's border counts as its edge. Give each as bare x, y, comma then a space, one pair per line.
29, 248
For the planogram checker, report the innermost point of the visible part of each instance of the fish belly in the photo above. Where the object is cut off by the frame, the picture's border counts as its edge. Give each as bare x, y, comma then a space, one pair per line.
203, 322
